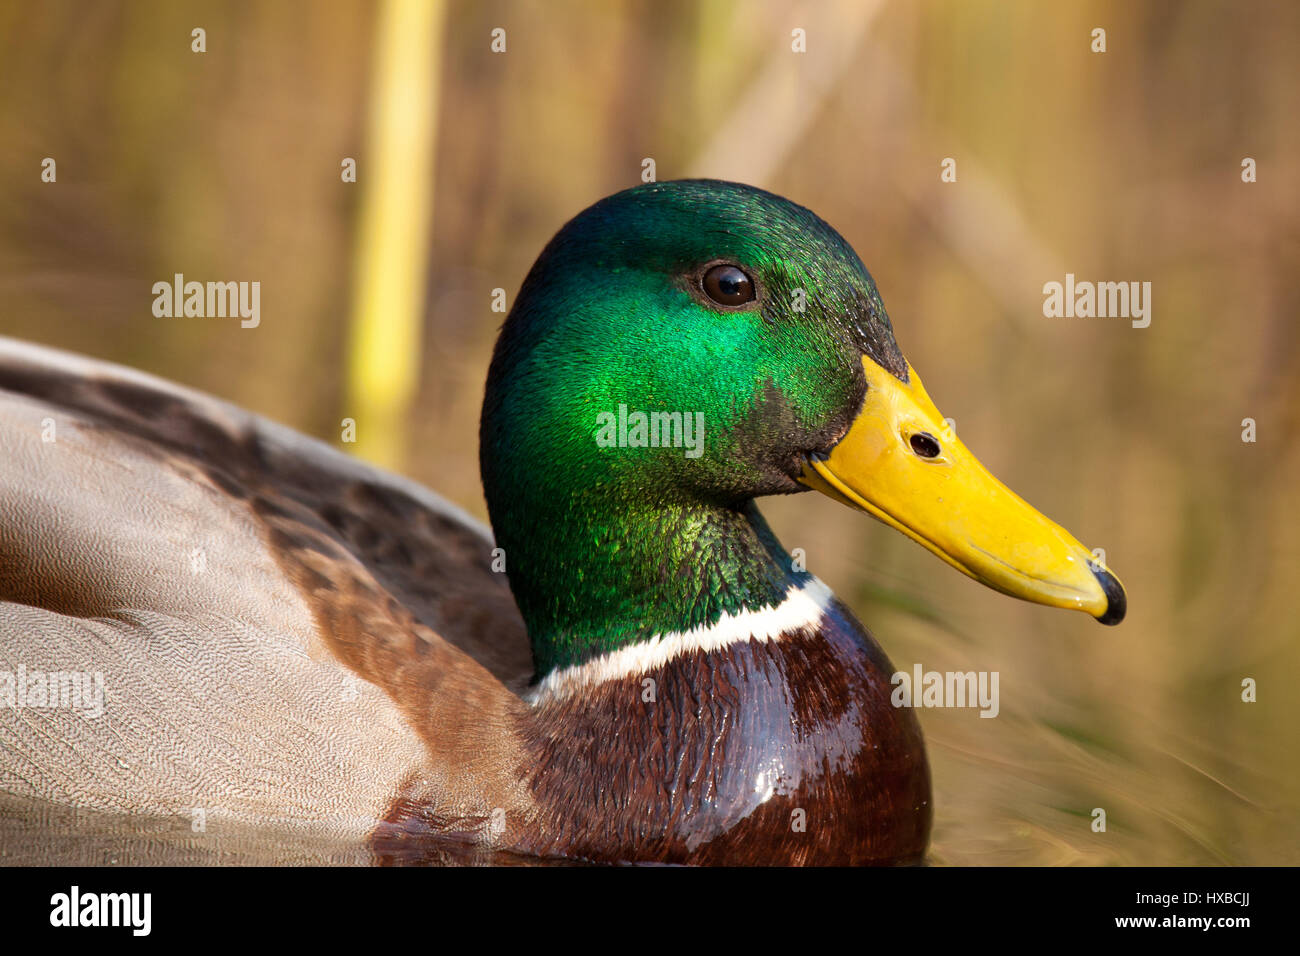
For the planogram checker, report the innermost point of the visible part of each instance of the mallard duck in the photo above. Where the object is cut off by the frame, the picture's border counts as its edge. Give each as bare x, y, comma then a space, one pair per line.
633, 669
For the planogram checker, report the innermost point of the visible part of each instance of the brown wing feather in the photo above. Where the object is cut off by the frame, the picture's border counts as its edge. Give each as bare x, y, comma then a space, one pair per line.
397, 582
433, 559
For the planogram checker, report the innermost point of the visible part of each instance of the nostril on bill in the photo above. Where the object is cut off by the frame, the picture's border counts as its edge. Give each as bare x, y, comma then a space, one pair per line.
925, 445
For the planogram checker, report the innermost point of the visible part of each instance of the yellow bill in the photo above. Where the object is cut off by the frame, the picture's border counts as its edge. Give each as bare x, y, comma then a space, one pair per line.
900, 463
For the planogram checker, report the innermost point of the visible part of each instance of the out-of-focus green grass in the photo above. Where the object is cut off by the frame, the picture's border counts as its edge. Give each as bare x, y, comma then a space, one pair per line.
1115, 166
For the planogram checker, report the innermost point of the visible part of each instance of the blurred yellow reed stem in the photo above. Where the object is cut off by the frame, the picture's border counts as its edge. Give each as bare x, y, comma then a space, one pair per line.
396, 177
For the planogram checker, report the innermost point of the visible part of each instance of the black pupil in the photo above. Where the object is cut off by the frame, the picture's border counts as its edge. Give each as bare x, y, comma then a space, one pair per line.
728, 285
924, 444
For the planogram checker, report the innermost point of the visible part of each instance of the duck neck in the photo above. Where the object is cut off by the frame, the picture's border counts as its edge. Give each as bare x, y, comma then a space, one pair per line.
603, 579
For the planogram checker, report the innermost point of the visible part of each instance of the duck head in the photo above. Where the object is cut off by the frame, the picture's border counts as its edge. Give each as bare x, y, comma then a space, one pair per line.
682, 348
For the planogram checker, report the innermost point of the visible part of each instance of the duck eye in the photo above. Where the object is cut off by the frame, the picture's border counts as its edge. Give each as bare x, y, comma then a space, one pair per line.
728, 285
925, 445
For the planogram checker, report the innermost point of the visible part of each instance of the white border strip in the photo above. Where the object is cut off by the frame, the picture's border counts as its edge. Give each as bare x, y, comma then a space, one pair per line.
802, 609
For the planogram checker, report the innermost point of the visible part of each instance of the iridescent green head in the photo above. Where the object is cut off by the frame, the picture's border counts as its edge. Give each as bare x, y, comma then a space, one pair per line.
724, 309
680, 349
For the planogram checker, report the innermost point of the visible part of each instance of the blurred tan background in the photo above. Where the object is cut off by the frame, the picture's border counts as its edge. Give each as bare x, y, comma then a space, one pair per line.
1116, 166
